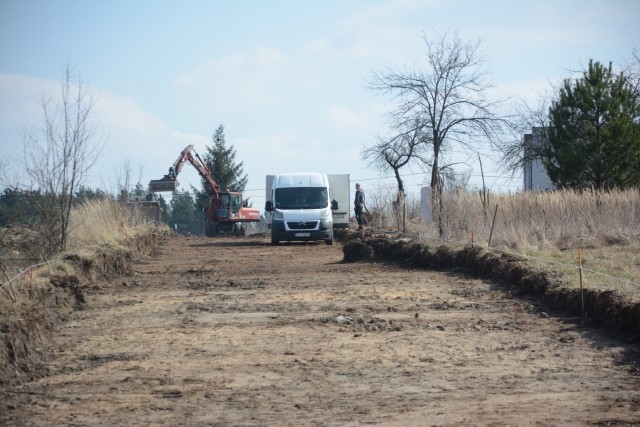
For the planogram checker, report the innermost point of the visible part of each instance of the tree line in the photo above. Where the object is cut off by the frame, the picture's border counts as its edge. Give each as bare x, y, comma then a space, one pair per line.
60, 148
184, 212
590, 126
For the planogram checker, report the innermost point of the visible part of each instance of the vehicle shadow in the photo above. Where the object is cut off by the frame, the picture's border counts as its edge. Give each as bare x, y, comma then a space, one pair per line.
249, 243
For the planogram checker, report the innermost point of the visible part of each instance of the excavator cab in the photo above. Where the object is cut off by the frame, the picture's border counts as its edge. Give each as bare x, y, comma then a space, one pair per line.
230, 204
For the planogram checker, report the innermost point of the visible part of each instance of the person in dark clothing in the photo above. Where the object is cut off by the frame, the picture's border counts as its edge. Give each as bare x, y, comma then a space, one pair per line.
358, 204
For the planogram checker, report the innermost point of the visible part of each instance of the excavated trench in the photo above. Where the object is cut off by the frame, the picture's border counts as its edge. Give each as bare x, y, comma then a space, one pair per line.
28, 327
233, 331
608, 309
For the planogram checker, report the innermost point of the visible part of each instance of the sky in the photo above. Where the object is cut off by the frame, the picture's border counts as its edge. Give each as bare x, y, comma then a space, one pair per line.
287, 79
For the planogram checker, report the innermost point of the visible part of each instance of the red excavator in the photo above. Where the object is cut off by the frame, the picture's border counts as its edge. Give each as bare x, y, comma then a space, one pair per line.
227, 210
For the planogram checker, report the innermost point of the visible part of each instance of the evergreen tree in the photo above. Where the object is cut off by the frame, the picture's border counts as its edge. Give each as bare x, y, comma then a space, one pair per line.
183, 210
85, 194
594, 132
138, 191
221, 162
19, 206
165, 209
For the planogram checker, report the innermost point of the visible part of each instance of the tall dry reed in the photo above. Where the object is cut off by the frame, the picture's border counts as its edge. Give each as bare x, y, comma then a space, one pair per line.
524, 219
103, 220
549, 228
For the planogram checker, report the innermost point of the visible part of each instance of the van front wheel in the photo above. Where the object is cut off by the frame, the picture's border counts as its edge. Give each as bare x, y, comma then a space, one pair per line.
274, 241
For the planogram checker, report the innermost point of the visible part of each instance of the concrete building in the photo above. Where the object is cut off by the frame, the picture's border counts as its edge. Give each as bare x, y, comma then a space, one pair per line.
535, 175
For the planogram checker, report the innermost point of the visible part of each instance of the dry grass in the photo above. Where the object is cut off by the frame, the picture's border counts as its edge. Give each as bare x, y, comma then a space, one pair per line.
562, 219
547, 227
104, 237
103, 220
97, 222
605, 267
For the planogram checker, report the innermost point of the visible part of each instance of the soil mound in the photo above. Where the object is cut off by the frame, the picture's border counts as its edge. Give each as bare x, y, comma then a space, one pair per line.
607, 309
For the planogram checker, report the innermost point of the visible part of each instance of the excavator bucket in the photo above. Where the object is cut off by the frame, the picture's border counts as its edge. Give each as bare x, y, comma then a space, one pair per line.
160, 185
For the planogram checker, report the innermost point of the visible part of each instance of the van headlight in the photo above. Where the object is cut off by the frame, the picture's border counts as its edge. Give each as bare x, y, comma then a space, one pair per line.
325, 214
278, 215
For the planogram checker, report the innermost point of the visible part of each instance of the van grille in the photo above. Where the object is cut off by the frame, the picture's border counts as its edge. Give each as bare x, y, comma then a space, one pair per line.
302, 225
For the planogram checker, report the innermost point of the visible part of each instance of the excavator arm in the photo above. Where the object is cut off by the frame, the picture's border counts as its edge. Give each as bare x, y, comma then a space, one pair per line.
170, 181
226, 211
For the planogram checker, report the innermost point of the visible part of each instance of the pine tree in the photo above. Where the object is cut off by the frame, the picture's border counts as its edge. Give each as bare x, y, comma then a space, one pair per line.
182, 211
221, 162
166, 212
594, 134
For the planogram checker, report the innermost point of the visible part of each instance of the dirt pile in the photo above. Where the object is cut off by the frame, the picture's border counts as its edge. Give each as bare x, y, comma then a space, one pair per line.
357, 250
602, 308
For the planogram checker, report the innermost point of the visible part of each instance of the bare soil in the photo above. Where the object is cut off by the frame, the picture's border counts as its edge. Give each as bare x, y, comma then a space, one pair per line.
233, 331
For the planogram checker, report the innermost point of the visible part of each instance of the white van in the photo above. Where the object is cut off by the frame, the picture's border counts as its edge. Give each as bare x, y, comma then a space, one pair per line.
300, 207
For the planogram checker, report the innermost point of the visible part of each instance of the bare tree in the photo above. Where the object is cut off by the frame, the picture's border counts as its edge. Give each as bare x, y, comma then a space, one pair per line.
59, 150
392, 154
125, 181
632, 71
4, 168
449, 97
518, 150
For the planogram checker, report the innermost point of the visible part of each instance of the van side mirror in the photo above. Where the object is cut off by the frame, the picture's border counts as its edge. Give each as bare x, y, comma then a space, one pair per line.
334, 205
268, 206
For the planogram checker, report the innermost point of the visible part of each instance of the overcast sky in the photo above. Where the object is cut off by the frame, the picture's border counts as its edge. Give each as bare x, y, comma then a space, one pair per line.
286, 78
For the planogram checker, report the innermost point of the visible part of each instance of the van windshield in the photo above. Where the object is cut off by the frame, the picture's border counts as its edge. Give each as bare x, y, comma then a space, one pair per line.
301, 198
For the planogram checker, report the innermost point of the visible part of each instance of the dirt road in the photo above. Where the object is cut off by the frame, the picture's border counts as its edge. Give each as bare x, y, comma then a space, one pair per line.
232, 331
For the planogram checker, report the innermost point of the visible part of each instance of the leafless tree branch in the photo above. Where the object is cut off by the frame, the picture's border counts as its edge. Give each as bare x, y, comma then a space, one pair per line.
448, 96
59, 150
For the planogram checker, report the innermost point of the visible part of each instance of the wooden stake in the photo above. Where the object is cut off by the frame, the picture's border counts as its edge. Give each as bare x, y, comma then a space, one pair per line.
483, 195
581, 287
492, 225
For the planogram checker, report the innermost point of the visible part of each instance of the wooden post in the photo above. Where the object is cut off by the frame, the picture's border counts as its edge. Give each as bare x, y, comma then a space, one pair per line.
492, 225
404, 215
483, 194
581, 287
